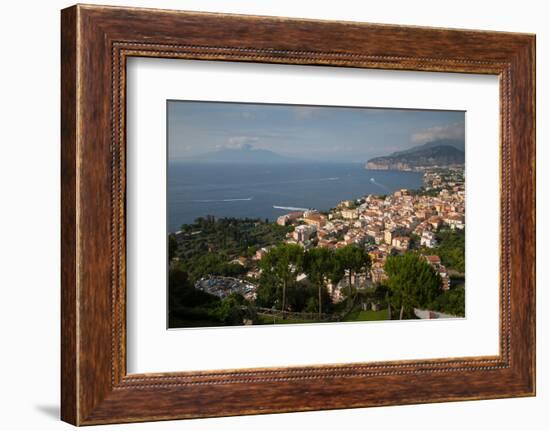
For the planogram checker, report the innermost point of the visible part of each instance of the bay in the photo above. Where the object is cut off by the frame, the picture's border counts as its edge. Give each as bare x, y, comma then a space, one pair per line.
253, 190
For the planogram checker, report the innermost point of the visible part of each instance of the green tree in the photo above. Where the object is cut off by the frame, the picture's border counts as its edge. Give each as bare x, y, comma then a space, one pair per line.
178, 278
284, 262
311, 305
231, 310
300, 293
187, 303
268, 286
451, 249
318, 265
412, 282
172, 246
450, 301
353, 260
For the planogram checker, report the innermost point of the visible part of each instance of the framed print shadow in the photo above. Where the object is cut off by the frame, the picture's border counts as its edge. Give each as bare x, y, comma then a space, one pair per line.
253, 205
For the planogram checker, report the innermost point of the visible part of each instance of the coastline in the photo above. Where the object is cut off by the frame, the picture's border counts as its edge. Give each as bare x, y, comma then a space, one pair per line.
225, 258
196, 191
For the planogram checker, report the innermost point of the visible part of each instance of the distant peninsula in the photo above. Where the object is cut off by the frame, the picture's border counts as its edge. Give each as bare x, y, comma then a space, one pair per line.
439, 153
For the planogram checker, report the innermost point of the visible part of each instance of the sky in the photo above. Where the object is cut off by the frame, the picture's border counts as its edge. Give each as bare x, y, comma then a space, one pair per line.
313, 133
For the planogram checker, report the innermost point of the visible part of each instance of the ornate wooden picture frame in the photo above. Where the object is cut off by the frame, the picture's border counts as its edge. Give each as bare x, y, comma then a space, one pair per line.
96, 41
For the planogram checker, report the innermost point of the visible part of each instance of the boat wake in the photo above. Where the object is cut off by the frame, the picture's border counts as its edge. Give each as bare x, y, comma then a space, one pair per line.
309, 180
382, 186
290, 208
223, 200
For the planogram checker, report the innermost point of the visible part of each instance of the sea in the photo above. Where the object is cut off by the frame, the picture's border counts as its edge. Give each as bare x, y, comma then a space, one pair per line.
269, 191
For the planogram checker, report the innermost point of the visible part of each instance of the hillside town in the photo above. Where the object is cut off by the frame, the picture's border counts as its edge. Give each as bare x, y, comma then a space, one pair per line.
381, 225
387, 224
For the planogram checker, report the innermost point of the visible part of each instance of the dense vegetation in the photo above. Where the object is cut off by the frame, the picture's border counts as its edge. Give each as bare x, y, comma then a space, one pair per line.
412, 282
209, 246
279, 288
450, 249
231, 236
193, 307
450, 302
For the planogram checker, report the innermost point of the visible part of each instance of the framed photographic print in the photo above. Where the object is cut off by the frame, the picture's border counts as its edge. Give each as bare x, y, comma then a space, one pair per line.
310, 235
286, 207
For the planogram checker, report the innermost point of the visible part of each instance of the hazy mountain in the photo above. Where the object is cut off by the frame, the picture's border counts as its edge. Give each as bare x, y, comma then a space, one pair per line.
458, 144
443, 152
242, 155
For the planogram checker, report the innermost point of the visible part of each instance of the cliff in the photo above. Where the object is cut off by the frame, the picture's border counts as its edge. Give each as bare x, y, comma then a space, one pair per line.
437, 153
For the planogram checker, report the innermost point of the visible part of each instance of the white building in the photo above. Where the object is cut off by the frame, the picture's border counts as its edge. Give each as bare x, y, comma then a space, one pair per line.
304, 233
350, 214
288, 218
428, 239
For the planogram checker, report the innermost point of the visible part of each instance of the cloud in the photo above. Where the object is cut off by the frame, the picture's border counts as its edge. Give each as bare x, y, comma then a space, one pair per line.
451, 131
239, 143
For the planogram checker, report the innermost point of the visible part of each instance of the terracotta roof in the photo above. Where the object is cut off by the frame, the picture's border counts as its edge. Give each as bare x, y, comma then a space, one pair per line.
433, 259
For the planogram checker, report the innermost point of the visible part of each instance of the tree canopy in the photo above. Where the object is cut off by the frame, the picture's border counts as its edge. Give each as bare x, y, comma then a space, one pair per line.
319, 265
351, 259
283, 263
451, 249
412, 282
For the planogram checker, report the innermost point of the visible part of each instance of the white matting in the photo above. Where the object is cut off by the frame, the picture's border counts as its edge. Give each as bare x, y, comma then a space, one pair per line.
153, 348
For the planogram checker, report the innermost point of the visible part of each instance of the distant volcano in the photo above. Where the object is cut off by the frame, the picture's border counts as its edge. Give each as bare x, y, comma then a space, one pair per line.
246, 155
